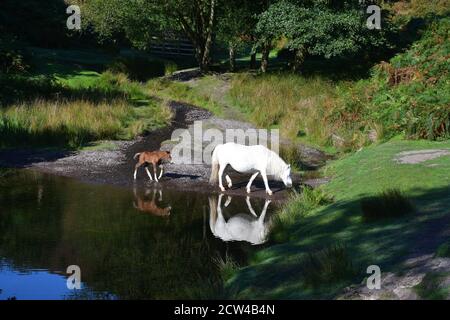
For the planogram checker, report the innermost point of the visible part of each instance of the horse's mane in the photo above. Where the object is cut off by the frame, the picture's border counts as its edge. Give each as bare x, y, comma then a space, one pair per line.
275, 164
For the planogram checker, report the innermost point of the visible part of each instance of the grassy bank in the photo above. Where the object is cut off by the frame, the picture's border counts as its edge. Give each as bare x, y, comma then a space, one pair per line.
328, 246
70, 107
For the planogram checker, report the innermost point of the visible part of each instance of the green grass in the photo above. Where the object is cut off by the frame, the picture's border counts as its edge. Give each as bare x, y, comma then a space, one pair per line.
299, 206
293, 103
66, 106
275, 272
200, 95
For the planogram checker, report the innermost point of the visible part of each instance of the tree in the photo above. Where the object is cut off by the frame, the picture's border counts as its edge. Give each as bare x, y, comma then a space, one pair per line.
236, 24
325, 28
143, 20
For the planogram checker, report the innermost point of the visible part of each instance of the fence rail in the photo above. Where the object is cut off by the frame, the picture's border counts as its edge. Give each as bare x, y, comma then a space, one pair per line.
180, 47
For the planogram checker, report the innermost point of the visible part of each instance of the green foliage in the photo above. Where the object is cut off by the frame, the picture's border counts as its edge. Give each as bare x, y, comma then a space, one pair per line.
412, 94
227, 266
390, 203
143, 22
443, 251
142, 68
12, 57
324, 28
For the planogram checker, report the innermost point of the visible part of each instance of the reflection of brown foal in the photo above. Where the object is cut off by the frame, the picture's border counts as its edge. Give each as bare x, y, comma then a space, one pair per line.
151, 206
156, 158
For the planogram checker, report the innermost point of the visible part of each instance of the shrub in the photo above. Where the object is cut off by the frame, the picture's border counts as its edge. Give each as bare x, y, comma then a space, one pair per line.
13, 59
227, 266
389, 204
142, 68
443, 251
411, 94
328, 266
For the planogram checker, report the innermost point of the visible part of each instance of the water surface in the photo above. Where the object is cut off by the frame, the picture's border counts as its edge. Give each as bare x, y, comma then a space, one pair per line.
141, 243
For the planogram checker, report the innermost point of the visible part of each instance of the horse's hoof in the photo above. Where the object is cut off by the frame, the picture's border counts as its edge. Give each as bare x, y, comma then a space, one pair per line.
222, 189
248, 190
269, 193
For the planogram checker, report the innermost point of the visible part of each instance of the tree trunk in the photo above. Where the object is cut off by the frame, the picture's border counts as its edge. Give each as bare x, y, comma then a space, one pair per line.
232, 57
299, 58
206, 59
265, 57
253, 60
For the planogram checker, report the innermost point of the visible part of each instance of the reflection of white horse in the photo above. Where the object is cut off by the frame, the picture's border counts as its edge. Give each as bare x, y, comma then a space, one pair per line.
240, 227
248, 159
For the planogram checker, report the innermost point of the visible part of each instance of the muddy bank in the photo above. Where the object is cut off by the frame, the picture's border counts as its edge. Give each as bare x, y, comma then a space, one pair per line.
115, 166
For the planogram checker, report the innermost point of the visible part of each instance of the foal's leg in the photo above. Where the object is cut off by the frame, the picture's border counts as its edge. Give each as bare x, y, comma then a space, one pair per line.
221, 169
161, 173
136, 167
266, 183
148, 172
155, 171
249, 184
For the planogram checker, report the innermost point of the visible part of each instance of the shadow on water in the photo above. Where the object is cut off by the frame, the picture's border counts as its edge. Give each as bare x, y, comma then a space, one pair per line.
129, 243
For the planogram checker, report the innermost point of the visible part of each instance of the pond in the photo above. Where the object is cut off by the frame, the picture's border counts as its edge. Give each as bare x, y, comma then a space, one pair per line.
129, 243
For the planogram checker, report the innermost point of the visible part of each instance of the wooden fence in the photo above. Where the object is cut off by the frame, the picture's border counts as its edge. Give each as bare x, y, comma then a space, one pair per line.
180, 47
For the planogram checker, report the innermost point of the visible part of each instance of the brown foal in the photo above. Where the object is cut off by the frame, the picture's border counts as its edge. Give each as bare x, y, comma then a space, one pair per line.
156, 158
151, 206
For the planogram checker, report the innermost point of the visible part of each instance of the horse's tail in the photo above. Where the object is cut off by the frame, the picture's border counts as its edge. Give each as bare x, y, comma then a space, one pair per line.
214, 168
136, 155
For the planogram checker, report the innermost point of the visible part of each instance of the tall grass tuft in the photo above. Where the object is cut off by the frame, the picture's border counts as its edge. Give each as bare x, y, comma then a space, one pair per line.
74, 123
296, 209
299, 106
328, 266
390, 203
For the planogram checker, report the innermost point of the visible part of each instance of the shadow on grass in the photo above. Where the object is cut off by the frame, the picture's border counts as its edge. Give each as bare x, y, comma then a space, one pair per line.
277, 271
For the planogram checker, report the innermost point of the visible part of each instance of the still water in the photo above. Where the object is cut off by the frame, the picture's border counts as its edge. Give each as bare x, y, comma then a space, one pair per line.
141, 243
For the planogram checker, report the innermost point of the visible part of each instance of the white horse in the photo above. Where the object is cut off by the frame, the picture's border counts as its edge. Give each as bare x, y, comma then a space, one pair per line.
248, 159
241, 226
